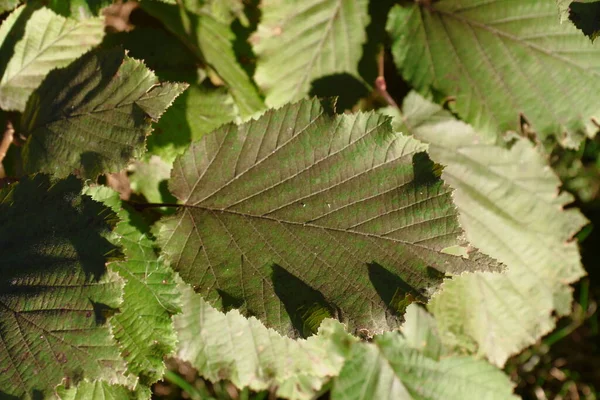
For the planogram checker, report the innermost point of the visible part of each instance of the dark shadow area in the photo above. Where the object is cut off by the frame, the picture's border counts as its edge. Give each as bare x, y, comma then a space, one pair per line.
241, 44
306, 306
345, 87
57, 231
161, 51
396, 293
6, 396
229, 301
425, 171
586, 17
377, 38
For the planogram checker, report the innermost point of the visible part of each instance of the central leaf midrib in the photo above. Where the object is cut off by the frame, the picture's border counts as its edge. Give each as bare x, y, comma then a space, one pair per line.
304, 224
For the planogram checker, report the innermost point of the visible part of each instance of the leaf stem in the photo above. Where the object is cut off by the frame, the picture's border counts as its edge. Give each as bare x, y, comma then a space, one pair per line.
380, 84
192, 391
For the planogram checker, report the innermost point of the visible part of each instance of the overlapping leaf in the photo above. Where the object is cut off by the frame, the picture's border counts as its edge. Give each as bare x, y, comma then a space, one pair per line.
100, 390
93, 116
211, 41
49, 41
500, 60
229, 346
7, 5
198, 111
143, 328
297, 43
510, 208
55, 291
390, 369
302, 215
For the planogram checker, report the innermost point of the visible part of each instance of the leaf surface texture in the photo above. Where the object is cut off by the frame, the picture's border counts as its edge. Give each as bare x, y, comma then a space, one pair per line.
50, 41
510, 208
501, 59
297, 43
302, 215
56, 292
93, 116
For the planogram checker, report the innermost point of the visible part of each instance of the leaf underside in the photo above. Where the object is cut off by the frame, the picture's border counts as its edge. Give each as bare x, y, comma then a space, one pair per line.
302, 215
50, 41
501, 60
55, 291
510, 208
389, 369
93, 116
296, 43
251, 355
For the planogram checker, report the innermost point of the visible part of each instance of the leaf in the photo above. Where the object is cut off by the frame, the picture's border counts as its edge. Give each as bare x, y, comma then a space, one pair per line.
501, 60
55, 291
197, 112
93, 116
143, 328
302, 215
296, 44
229, 346
50, 42
8, 5
77, 8
149, 179
211, 41
511, 208
421, 333
99, 390
390, 369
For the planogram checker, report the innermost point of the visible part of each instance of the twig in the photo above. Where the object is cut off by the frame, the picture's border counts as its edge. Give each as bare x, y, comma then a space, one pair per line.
7, 139
380, 82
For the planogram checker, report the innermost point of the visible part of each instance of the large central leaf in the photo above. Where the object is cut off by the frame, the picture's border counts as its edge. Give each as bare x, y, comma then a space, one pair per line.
501, 59
301, 215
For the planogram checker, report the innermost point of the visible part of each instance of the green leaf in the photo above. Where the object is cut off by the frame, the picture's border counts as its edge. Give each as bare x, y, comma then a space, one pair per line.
55, 291
99, 390
77, 8
501, 60
390, 369
211, 41
93, 116
511, 208
8, 5
197, 112
229, 346
143, 328
223, 10
298, 43
302, 215
50, 41
149, 179
421, 333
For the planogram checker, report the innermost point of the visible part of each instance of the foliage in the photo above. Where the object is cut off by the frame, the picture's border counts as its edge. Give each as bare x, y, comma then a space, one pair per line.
169, 190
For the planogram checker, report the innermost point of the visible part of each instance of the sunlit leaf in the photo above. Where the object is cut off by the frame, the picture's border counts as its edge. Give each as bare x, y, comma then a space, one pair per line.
302, 215
501, 60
